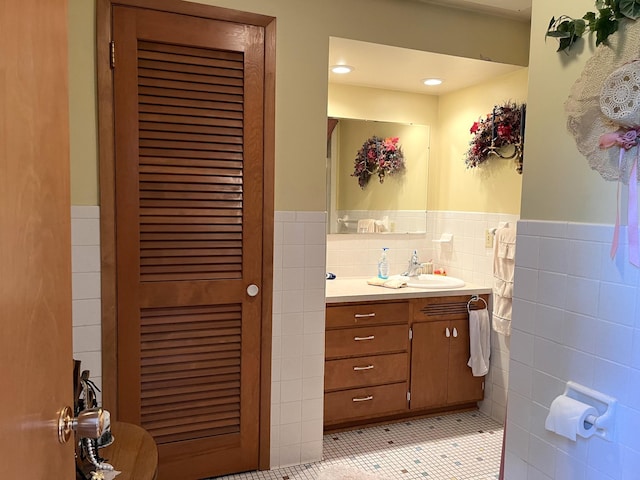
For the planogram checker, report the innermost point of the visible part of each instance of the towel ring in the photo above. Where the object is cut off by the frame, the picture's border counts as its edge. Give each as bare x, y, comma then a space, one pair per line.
475, 298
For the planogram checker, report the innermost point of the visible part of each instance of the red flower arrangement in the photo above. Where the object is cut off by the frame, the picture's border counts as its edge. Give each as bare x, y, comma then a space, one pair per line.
503, 126
378, 156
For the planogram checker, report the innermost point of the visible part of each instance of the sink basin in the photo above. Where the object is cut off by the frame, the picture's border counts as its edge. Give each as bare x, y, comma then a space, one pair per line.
433, 281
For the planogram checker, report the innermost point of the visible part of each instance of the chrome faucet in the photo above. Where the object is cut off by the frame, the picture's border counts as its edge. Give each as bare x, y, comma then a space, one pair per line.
414, 266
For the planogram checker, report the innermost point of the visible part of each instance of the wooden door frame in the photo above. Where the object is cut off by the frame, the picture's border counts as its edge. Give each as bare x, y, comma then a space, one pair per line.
106, 152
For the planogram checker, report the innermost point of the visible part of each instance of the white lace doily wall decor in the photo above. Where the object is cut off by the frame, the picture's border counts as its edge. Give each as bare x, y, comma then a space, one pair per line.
603, 115
585, 119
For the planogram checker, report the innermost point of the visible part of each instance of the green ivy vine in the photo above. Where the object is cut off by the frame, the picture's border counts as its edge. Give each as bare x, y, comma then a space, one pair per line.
604, 22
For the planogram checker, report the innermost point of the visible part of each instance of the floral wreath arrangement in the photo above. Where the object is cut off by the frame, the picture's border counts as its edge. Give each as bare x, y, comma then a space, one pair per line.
378, 156
502, 127
605, 22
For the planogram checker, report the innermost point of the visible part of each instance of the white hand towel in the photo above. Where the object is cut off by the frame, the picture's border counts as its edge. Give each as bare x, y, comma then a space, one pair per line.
503, 272
367, 225
479, 342
390, 283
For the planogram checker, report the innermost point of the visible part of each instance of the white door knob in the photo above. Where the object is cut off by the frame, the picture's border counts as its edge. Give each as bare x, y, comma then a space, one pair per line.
252, 290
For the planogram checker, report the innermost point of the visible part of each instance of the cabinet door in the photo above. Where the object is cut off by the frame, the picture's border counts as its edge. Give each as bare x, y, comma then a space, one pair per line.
463, 386
429, 358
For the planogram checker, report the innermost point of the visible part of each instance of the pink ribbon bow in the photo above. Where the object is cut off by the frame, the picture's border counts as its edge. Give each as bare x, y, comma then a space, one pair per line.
626, 139
623, 138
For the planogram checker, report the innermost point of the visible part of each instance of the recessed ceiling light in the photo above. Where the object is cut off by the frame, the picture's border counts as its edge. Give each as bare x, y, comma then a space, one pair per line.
342, 69
432, 81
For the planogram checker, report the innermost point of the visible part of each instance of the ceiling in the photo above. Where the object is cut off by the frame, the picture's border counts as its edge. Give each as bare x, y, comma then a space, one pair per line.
519, 9
410, 67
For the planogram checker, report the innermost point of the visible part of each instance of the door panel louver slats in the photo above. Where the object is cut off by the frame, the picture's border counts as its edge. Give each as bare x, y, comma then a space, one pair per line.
190, 362
224, 427
184, 136
151, 127
184, 145
450, 309
192, 375
205, 123
199, 68
439, 309
146, 73
191, 113
181, 409
155, 370
228, 396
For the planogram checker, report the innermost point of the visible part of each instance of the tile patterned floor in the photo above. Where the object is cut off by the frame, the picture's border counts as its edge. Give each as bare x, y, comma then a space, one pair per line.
460, 446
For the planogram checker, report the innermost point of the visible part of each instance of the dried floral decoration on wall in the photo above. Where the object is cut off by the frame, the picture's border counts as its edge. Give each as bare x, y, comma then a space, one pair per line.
381, 156
500, 128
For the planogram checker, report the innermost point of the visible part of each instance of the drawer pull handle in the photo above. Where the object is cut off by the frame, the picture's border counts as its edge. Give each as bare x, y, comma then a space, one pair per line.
447, 333
358, 369
364, 315
455, 332
363, 399
359, 339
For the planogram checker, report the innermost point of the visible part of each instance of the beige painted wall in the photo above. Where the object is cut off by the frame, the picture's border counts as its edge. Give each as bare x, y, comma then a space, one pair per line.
558, 184
346, 101
303, 31
82, 103
492, 187
402, 191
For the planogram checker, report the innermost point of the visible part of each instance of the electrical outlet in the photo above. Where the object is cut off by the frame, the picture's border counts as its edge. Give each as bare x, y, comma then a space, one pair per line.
488, 239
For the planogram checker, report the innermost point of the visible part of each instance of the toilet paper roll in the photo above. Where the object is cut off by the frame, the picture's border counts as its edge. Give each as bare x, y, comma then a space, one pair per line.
567, 418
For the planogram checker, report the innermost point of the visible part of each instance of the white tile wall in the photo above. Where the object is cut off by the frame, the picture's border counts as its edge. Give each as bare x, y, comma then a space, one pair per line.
85, 267
396, 220
576, 316
356, 255
298, 338
467, 257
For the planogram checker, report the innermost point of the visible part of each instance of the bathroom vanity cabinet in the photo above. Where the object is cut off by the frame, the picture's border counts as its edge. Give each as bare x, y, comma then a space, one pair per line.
393, 358
366, 360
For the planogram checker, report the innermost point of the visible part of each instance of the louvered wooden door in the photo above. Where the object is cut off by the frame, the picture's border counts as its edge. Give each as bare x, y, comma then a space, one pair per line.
189, 158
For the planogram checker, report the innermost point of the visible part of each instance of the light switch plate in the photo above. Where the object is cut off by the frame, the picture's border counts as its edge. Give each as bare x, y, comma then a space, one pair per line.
488, 239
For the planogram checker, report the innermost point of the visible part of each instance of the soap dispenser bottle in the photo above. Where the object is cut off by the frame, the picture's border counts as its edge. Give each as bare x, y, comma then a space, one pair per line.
383, 265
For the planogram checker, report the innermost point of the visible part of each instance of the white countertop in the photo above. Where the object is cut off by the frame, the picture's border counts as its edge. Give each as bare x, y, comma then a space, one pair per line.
356, 289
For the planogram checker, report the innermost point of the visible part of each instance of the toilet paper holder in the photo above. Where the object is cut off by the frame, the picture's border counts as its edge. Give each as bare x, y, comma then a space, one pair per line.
604, 404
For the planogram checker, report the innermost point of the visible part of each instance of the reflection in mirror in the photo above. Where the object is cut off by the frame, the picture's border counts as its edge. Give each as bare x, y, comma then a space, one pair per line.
398, 205
386, 85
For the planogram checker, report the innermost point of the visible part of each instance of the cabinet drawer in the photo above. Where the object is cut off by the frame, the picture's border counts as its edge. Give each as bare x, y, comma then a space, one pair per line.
364, 371
350, 342
360, 403
367, 314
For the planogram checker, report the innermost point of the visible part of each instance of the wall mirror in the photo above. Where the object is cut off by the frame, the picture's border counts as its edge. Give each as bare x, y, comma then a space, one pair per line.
385, 94
398, 205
